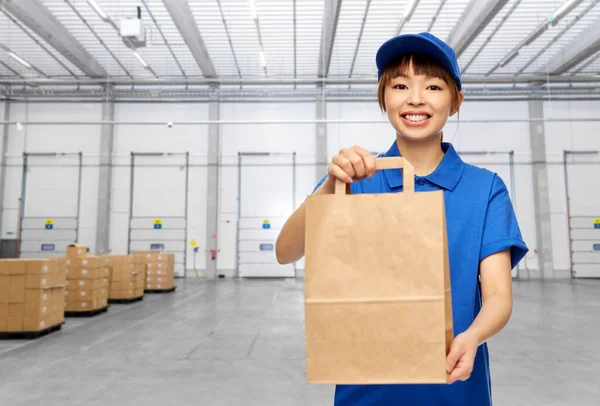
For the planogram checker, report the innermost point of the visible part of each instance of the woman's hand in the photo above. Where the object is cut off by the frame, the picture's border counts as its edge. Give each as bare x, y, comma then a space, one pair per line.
460, 359
350, 164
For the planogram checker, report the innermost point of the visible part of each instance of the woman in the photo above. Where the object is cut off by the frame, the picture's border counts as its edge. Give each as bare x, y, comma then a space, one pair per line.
419, 88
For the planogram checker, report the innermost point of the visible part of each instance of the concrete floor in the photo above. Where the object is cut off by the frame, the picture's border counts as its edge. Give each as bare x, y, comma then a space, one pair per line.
240, 342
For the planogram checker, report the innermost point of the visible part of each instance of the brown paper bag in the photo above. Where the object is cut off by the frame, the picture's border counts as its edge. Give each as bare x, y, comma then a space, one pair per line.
377, 285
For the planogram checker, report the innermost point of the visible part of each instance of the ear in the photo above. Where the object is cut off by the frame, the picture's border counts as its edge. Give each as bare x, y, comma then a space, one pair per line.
455, 109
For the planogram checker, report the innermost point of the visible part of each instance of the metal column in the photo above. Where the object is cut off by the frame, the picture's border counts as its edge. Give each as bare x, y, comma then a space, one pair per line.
541, 194
105, 176
321, 140
212, 189
5, 129
79, 177
186, 204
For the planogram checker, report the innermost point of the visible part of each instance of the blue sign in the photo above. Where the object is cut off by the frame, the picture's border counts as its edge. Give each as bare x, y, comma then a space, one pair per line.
157, 226
266, 247
266, 226
596, 225
49, 226
48, 247
596, 247
157, 246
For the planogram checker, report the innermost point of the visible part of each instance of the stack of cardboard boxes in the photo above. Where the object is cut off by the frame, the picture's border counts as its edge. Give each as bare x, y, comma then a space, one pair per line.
127, 278
88, 281
31, 295
160, 269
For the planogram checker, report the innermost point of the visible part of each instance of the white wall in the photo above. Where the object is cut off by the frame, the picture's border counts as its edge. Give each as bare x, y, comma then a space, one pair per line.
159, 187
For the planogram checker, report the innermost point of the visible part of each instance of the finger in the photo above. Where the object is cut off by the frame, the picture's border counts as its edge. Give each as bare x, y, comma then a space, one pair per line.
452, 358
357, 163
344, 164
338, 173
368, 160
459, 374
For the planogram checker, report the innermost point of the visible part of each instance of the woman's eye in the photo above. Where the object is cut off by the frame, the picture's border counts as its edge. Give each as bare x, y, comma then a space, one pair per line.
400, 87
434, 87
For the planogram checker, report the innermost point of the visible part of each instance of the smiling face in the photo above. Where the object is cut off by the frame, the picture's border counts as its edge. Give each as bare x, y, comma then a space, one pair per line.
418, 96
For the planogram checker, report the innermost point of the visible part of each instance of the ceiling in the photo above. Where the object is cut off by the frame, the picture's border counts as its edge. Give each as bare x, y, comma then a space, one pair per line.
288, 42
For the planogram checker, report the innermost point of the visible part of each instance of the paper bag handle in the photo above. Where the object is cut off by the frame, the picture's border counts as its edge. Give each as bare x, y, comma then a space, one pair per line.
408, 173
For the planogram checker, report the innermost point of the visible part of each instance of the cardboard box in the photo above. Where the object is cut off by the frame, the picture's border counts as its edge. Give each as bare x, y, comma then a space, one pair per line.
4, 267
18, 267
4, 288
16, 288
77, 251
35, 295
39, 296
16, 313
156, 279
3, 316
37, 310
40, 323
159, 286
41, 267
37, 281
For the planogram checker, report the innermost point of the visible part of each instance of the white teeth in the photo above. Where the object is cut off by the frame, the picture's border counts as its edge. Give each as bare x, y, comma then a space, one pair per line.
415, 118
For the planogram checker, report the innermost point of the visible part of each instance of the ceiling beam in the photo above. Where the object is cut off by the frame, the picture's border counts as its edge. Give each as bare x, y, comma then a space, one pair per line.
475, 18
181, 81
586, 44
182, 16
35, 15
330, 22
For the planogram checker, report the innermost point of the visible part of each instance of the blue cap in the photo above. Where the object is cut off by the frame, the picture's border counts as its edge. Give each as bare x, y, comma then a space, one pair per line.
423, 43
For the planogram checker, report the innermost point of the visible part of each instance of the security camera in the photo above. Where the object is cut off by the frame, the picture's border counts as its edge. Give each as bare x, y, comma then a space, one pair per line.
170, 124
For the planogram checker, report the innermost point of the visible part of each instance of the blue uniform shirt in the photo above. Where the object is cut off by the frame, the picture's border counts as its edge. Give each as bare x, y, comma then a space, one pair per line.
480, 222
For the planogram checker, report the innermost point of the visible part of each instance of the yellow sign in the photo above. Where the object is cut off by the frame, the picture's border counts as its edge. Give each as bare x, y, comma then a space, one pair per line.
266, 222
49, 221
193, 243
157, 221
596, 221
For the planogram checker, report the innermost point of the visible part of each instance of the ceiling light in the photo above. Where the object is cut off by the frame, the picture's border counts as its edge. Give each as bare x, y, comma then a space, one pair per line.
509, 58
252, 4
98, 10
409, 9
19, 59
563, 10
139, 58
536, 34
263, 61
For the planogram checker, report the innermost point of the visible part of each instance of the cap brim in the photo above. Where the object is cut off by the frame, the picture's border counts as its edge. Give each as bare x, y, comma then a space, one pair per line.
407, 44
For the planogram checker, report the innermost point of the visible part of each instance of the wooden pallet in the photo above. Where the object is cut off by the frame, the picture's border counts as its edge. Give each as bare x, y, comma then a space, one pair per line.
87, 313
161, 290
29, 335
126, 301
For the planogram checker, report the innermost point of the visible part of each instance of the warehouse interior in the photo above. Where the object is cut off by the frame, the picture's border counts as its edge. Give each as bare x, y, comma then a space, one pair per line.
197, 127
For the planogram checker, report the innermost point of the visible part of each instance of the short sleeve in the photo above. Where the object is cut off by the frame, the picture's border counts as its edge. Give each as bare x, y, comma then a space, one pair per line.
320, 183
501, 229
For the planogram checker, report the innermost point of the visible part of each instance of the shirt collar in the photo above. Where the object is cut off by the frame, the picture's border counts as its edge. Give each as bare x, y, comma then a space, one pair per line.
446, 175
